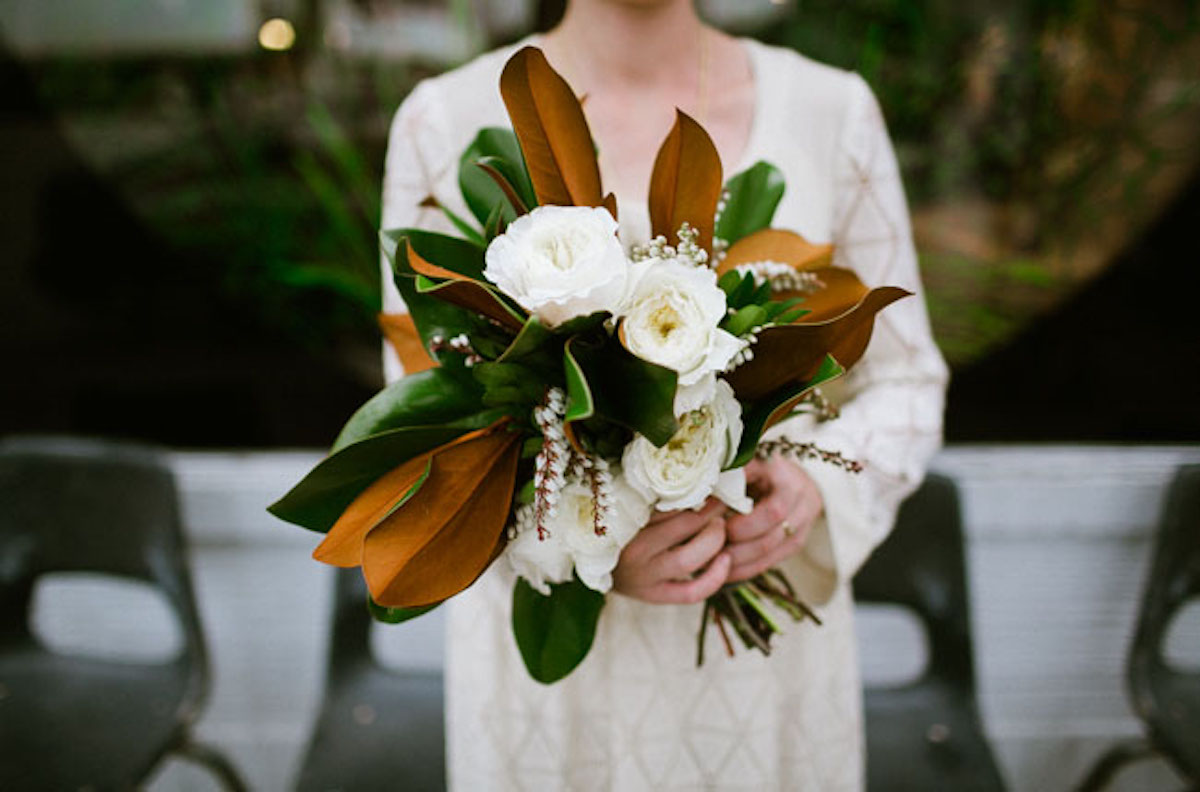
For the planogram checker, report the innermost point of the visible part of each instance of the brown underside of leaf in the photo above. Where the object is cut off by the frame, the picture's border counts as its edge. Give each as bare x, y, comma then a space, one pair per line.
793, 353
429, 269
343, 545
773, 244
442, 539
610, 203
685, 184
401, 333
553, 133
471, 295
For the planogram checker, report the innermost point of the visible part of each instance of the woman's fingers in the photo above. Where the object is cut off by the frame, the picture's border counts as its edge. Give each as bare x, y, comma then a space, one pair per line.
666, 533
683, 560
754, 558
697, 589
779, 523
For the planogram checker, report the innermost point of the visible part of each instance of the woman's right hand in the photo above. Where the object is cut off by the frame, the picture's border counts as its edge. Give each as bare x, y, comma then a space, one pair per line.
677, 558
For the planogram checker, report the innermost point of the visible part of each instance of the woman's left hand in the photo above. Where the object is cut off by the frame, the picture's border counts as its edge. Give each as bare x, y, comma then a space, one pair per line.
787, 503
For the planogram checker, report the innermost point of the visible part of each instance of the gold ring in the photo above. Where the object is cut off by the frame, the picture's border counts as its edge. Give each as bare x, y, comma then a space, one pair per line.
789, 530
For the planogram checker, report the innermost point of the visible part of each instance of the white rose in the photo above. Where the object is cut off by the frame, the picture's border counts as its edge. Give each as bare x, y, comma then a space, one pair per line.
670, 318
541, 560
687, 469
560, 262
595, 555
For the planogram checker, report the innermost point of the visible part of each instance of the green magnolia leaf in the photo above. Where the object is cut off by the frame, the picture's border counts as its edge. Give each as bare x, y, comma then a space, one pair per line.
428, 398
647, 409
479, 190
754, 194
434, 317
396, 615
509, 383
745, 320
321, 496
555, 633
457, 255
755, 416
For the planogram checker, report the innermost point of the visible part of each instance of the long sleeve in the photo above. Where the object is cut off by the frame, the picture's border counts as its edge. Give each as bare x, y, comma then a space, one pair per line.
892, 400
416, 153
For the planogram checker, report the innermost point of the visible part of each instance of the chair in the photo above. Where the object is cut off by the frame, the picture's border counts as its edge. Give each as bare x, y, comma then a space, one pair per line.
75, 722
927, 734
1167, 699
378, 728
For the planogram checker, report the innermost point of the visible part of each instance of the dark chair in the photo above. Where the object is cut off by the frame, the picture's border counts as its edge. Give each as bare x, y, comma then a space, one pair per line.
75, 722
1167, 699
927, 734
378, 728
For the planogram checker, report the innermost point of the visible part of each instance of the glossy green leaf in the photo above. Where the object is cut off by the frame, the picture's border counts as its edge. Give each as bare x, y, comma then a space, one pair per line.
321, 496
396, 615
428, 398
479, 191
745, 320
754, 194
555, 633
453, 253
756, 416
647, 409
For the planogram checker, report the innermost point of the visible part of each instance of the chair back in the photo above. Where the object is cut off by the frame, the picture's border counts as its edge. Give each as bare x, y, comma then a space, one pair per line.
1168, 698
922, 566
73, 505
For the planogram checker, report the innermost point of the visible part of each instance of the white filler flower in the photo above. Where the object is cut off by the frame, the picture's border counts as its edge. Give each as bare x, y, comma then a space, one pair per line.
560, 262
571, 540
685, 471
671, 316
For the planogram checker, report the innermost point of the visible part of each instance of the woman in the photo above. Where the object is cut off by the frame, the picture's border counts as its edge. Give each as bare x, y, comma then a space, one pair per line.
637, 713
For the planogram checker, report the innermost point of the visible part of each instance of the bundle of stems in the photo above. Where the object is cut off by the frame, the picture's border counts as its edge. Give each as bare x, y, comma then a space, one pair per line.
746, 608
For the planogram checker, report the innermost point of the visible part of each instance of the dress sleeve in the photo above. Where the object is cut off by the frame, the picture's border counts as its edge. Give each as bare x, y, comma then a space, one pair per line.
416, 152
893, 399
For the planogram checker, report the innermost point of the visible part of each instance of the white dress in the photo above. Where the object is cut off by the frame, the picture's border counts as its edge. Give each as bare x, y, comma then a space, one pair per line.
637, 714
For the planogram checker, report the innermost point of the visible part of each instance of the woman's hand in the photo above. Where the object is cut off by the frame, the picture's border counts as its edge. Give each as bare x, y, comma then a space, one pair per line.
787, 503
676, 558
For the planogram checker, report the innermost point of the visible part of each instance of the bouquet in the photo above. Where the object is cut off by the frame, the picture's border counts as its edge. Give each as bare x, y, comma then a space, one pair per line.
559, 389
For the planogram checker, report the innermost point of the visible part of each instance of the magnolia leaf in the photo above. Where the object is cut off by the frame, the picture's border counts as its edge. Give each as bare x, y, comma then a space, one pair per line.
343, 544
773, 244
433, 316
791, 355
754, 194
396, 615
549, 123
498, 171
647, 409
401, 333
761, 415
479, 190
555, 633
321, 496
428, 398
441, 256
438, 542
475, 297
686, 182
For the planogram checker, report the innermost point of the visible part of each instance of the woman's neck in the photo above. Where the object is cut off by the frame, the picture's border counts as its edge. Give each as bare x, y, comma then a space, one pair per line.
616, 44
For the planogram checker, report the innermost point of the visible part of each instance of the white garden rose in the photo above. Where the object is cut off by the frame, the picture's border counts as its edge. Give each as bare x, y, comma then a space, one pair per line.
687, 469
595, 555
560, 262
570, 540
670, 318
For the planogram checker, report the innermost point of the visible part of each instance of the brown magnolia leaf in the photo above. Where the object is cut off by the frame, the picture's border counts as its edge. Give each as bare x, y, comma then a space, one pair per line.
428, 268
686, 182
443, 538
343, 544
610, 203
793, 353
401, 333
552, 131
773, 244
474, 296
840, 291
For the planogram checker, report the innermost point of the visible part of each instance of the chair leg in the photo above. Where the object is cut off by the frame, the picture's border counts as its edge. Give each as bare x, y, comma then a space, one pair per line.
1112, 760
215, 762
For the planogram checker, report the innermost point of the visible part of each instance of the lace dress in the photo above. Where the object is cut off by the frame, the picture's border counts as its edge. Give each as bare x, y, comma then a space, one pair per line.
637, 713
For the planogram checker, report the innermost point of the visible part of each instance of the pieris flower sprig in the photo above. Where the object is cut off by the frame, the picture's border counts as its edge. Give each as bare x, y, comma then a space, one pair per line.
558, 389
